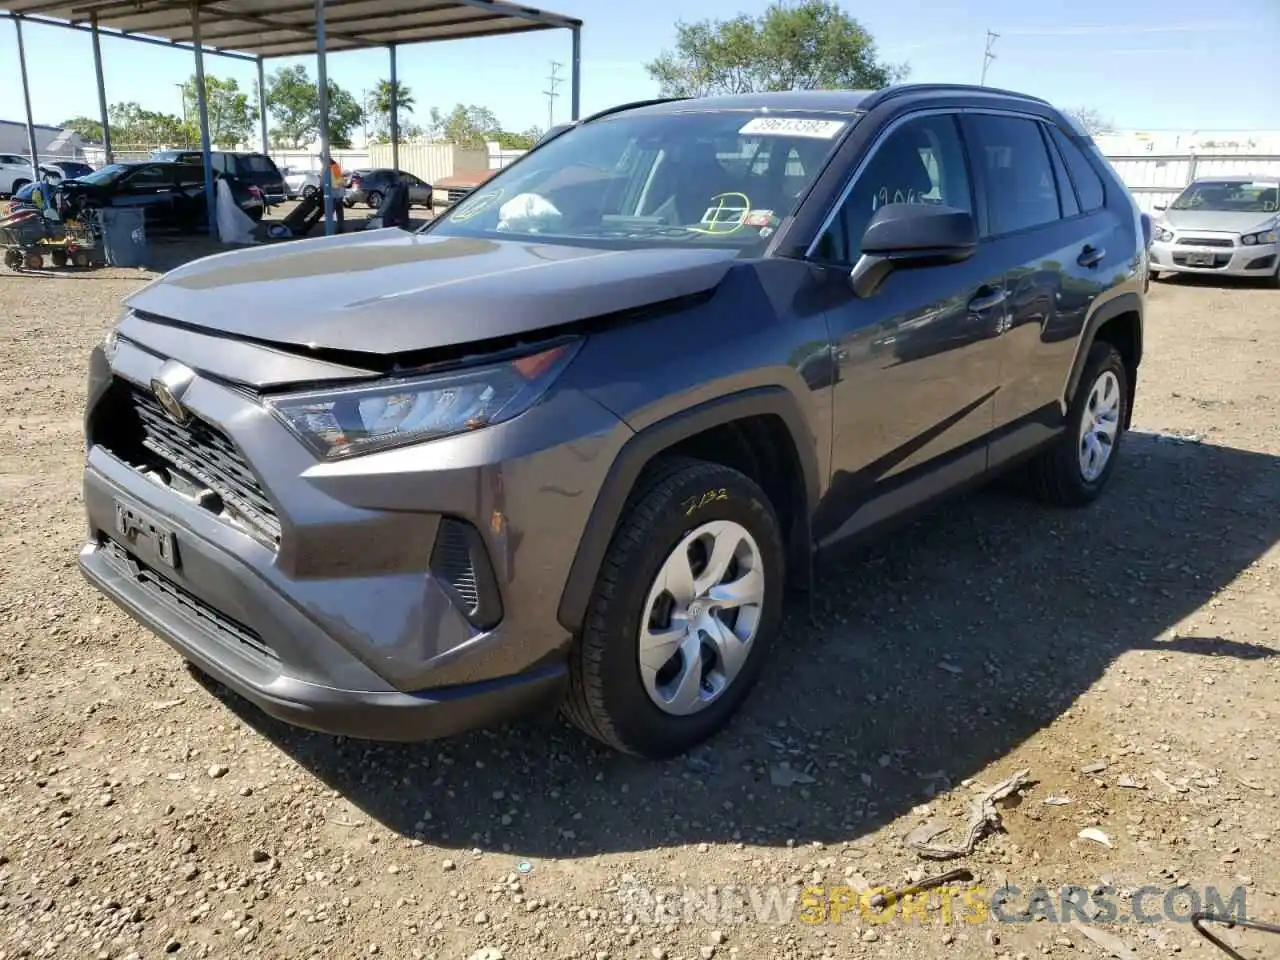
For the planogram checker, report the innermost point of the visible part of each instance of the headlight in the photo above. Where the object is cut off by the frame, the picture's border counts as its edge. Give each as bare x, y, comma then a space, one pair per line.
1163, 234
354, 420
1270, 235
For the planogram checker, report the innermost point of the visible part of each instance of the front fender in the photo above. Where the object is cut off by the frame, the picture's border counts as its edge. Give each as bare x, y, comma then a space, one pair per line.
650, 442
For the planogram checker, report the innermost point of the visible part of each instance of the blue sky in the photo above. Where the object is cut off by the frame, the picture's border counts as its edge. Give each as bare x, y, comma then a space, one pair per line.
1147, 64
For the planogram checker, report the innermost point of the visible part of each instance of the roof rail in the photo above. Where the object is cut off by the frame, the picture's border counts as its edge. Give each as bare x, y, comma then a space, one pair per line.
618, 108
905, 89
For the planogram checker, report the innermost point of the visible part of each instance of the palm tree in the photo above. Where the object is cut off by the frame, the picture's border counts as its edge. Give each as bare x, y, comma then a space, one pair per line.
380, 101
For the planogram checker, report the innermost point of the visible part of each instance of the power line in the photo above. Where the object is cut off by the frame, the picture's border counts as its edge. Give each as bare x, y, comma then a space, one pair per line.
553, 81
988, 56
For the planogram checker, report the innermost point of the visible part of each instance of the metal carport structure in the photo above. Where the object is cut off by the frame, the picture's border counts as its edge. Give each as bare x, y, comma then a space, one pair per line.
260, 30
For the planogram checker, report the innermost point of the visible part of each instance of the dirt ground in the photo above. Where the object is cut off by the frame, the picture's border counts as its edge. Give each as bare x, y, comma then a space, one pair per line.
1124, 655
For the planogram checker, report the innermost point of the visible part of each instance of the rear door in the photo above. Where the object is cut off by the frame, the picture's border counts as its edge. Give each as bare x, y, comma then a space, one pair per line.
419, 190
1031, 218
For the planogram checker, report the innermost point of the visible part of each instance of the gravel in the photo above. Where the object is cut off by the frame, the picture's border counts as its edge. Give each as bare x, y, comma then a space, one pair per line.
143, 810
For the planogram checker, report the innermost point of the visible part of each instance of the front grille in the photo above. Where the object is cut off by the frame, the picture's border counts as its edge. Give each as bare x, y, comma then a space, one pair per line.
1206, 242
131, 424
1220, 260
165, 592
457, 193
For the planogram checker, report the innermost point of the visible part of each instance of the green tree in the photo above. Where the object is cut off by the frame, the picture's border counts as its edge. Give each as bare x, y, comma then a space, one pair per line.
231, 115
132, 125
466, 125
294, 104
90, 130
519, 141
345, 115
803, 45
378, 107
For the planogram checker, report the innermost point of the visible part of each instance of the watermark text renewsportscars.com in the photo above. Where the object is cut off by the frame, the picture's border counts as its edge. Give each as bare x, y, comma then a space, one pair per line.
971, 903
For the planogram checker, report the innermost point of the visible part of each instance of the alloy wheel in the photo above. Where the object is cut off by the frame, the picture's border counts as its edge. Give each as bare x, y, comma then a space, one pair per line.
1098, 426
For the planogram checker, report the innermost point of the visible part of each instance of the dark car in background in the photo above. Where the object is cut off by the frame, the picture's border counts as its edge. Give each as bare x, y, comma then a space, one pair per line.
370, 186
172, 194
55, 171
253, 168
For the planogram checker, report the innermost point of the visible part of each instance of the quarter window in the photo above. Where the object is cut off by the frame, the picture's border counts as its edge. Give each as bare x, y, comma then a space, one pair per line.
1088, 183
1010, 151
920, 161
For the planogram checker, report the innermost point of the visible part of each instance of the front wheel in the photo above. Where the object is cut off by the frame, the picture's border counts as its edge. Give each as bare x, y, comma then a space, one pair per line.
687, 601
309, 192
17, 185
374, 200
1074, 470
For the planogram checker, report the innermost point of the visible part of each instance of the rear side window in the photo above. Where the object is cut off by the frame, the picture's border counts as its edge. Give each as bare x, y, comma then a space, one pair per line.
255, 163
1088, 184
1012, 156
1066, 193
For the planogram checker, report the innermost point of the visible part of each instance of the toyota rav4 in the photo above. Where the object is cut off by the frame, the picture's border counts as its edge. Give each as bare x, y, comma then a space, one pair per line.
570, 442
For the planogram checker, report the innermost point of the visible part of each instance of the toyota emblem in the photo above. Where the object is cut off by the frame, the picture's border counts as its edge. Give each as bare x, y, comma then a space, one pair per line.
164, 396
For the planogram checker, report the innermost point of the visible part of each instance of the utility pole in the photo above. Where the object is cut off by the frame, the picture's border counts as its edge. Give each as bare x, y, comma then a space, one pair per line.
553, 81
988, 56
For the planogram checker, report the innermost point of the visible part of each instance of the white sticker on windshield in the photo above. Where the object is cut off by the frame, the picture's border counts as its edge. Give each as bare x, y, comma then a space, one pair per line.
793, 127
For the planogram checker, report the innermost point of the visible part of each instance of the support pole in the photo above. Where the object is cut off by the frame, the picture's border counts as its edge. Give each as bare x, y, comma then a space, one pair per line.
326, 161
102, 91
575, 79
201, 101
26, 99
395, 113
262, 108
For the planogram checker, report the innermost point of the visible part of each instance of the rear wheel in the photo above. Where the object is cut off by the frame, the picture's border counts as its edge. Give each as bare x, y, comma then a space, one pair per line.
1074, 470
686, 604
13, 259
309, 192
59, 258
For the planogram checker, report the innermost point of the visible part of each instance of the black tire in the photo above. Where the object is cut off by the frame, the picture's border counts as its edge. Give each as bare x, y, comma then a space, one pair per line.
17, 185
59, 258
309, 192
373, 199
1055, 474
606, 696
13, 258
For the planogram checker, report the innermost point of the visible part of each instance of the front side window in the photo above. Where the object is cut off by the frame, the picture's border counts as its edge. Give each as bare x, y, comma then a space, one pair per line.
920, 161
703, 178
146, 177
1011, 153
1229, 196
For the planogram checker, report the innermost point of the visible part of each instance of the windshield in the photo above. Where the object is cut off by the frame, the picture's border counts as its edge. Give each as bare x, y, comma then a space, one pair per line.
696, 179
105, 174
1230, 196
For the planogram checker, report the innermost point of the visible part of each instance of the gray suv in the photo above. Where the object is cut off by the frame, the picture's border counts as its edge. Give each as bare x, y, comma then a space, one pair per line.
569, 443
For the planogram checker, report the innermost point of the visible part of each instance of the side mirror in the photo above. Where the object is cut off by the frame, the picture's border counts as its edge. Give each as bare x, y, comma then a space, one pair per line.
906, 235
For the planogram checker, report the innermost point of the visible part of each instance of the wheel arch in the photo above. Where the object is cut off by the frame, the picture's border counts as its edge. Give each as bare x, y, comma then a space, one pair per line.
728, 428
1117, 321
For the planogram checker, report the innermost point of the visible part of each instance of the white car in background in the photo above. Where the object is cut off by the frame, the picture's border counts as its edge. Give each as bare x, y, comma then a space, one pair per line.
15, 173
301, 183
1227, 225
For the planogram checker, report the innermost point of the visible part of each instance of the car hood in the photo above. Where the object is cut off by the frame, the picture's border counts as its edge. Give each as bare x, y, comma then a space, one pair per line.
1227, 222
388, 291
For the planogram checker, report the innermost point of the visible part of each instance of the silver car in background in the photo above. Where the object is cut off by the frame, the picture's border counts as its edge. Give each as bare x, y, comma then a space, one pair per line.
1228, 225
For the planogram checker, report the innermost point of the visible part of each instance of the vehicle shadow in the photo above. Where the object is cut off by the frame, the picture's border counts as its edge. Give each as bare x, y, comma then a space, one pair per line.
916, 662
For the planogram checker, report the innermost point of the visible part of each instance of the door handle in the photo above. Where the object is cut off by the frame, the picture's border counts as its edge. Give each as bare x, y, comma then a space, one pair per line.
1090, 256
985, 301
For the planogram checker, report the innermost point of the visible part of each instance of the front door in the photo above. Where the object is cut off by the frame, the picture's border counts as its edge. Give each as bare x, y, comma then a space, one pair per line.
917, 362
